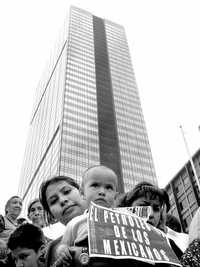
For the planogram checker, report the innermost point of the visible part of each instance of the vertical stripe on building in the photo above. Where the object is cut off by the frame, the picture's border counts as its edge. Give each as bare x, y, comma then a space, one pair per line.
108, 136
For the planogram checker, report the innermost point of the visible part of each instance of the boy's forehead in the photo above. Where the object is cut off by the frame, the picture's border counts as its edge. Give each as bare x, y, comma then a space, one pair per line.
23, 250
150, 198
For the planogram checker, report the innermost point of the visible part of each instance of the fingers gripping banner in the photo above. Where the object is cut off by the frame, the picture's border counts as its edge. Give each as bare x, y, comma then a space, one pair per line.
120, 235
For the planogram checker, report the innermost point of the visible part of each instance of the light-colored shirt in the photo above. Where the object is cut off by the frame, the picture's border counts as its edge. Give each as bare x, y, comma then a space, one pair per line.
9, 228
76, 230
180, 239
194, 228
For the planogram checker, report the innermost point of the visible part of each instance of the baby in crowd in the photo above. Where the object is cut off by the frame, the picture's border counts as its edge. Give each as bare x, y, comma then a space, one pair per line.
99, 185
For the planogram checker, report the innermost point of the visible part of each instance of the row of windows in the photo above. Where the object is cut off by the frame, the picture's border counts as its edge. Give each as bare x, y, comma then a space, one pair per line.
137, 161
81, 114
80, 57
115, 48
81, 105
118, 37
130, 112
81, 121
80, 33
121, 88
77, 163
77, 37
84, 54
88, 72
122, 63
80, 83
81, 77
82, 65
122, 73
74, 142
118, 29
82, 87
80, 46
81, 23
77, 60
82, 91
88, 134
134, 119
124, 99
80, 17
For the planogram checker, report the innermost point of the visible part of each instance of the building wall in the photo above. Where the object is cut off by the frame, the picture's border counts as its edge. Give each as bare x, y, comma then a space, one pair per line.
184, 194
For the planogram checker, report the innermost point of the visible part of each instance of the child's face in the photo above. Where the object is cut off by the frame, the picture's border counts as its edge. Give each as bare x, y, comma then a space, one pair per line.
155, 216
25, 257
100, 187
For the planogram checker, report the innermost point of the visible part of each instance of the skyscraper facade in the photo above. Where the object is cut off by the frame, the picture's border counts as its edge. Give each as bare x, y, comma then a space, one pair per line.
87, 109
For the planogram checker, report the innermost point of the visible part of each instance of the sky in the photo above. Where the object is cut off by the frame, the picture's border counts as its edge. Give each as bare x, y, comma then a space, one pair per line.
164, 43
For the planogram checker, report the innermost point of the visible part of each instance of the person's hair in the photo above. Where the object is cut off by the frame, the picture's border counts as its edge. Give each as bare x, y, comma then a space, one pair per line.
173, 223
166, 199
26, 236
31, 203
2, 223
142, 189
93, 167
21, 220
8, 202
42, 194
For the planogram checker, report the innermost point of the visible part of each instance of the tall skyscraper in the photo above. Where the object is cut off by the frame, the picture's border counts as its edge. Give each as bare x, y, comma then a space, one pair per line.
87, 109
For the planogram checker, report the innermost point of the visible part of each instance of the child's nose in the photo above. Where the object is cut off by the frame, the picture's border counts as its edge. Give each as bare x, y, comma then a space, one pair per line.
101, 190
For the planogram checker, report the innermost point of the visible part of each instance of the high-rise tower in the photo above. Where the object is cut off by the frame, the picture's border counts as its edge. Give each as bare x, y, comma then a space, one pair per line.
87, 109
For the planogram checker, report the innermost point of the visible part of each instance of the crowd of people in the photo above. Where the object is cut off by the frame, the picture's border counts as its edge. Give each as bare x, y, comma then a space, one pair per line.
60, 199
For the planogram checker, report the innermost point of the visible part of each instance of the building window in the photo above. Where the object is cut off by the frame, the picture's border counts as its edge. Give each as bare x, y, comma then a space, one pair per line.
186, 181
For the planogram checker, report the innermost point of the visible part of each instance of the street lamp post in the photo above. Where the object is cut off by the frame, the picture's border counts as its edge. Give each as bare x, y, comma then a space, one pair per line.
191, 160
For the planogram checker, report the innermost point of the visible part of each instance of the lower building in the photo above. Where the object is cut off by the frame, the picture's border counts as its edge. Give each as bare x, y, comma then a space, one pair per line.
184, 193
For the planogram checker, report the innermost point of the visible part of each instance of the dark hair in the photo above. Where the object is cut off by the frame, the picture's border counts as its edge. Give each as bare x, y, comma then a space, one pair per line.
166, 199
26, 236
141, 190
2, 223
173, 223
21, 220
42, 195
31, 204
8, 202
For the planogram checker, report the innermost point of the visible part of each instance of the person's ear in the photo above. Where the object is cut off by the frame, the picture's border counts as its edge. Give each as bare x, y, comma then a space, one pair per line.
41, 253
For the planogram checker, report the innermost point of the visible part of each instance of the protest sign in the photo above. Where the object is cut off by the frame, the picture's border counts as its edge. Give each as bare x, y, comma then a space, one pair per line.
141, 211
121, 235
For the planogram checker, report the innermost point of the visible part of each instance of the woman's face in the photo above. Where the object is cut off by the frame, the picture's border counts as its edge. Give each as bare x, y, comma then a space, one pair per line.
14, 207
36, 214
64, 201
